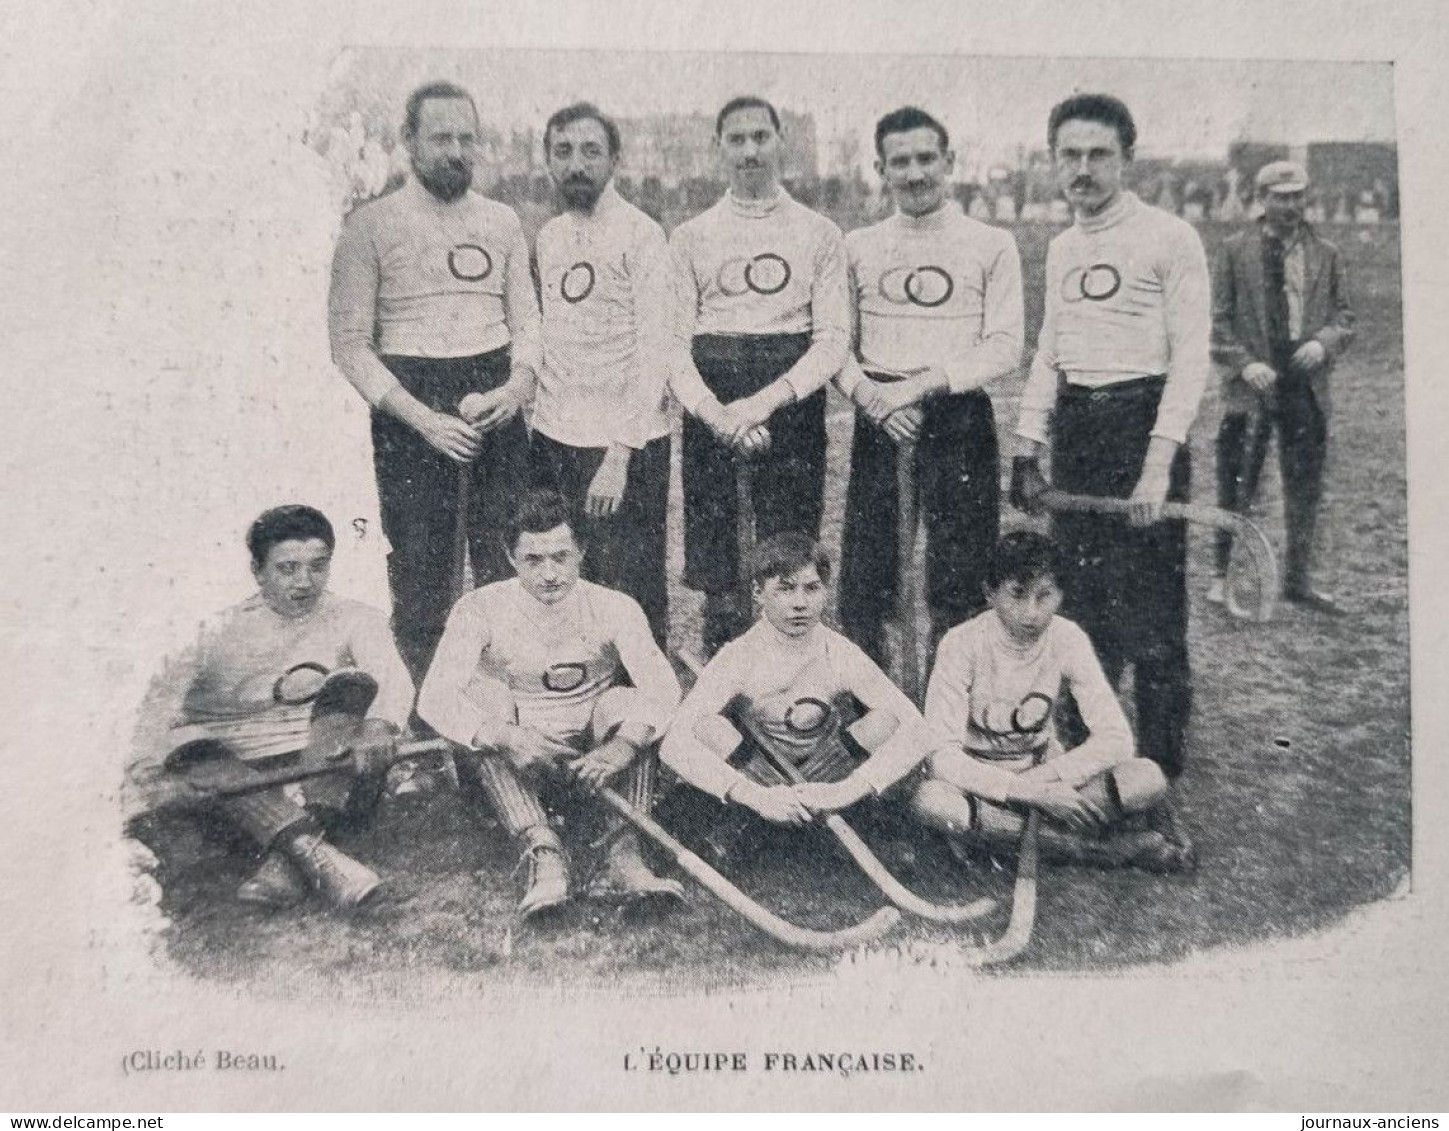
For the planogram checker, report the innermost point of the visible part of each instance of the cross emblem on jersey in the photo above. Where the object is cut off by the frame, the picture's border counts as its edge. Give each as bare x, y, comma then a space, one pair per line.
577, 282
1096, 283
470, 263
928, 286
765, 274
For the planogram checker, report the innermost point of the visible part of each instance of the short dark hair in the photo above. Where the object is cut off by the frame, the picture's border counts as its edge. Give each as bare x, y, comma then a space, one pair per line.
285, 524
783, 555
538, 511
908, 118
745, 102
438, 89
1024, 556
578, 112
1101, 108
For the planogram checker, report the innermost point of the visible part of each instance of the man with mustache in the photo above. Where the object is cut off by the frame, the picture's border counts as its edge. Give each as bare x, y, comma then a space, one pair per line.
939, 316
1281, 318
434, 321
1119, 370
765, 308
601, 422
557, 687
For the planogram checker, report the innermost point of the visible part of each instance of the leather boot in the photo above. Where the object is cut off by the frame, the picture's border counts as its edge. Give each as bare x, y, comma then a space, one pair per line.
275, 884
341, 880
1149, 850
626, 876
546, 878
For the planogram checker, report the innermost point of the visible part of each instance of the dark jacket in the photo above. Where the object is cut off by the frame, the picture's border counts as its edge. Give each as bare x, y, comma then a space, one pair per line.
1240, 312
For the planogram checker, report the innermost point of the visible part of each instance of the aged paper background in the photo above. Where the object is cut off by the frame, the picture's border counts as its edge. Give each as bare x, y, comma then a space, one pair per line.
144, 123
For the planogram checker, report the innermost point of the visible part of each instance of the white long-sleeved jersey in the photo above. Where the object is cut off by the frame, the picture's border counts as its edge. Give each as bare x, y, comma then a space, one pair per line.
1127, 296
552, 662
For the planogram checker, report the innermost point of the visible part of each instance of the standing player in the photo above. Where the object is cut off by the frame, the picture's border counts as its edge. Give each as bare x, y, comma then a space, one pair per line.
434, 321
1281, 318
1119, 369
234, 705
792, 685
531, 674
938, 304
992, 697
762, 280
600, 422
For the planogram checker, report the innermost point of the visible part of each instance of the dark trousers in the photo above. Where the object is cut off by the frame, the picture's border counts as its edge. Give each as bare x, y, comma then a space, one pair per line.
789, 479
958, 489
627, 550
417, 488
1126, 586
263, 816
1242, 449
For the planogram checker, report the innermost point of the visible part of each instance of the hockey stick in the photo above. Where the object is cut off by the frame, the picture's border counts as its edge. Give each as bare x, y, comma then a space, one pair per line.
211, 783
791, 934
458, 577
1256, 550
1017, 936
902, 646
745, 531
866, 859
871, 865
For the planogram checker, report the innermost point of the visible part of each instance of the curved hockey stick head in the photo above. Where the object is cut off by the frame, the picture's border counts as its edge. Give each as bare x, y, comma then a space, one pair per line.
1250, 589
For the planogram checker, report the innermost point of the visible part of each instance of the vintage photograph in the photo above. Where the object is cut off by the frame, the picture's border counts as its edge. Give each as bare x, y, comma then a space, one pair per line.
722, 559
823, 502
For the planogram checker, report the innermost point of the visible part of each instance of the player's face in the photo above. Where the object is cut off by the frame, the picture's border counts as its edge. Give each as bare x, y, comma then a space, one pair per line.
749, 145
294, 576
547, 563
1026, 608
1283, 210
915, 166
1089, 164
445, 146
794, 604
580, 163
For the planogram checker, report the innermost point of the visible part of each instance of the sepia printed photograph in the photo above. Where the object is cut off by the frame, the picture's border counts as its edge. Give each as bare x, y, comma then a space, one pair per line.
785, 561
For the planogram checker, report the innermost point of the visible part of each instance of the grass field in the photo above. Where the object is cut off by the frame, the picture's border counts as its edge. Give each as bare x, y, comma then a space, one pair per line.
1297, 792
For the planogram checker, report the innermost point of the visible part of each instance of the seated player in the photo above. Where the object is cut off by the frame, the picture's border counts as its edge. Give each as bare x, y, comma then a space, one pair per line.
558, 687
992, 696
248, 693
794, 689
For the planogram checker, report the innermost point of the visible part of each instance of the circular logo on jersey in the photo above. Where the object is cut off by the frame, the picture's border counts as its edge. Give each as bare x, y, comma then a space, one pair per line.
1004, 720
928, 286
1096, 283
470, 263
808, 715
577, 282
565, 677
765, 274
301, 683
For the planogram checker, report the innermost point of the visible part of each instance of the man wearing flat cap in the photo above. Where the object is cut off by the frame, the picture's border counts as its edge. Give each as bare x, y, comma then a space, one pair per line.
1281, 317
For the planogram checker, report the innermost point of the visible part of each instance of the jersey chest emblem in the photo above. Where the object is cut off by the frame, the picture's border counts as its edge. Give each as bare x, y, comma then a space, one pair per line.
1001, 718
765, 274
565, 677
807, 715
1095, 283
469, 262
576, 283
927, 286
